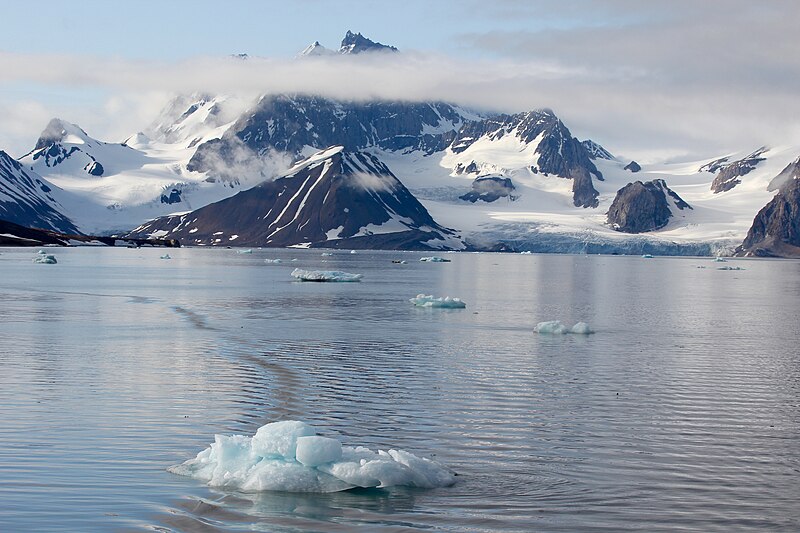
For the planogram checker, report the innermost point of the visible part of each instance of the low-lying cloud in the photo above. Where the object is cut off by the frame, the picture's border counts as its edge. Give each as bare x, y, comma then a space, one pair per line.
683, 79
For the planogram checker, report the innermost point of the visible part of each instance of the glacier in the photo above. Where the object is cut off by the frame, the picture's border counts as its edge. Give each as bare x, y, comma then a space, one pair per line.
289, 456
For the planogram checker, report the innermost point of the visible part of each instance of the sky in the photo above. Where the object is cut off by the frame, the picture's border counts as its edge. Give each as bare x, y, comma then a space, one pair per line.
654, 80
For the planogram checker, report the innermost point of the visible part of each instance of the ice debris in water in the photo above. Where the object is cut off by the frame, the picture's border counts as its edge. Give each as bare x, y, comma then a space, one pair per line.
326, 254
647, 256
288, 456
273, 261
555, 327
248, 251
45, 259
730, 268
434, 259
719, 259
422, 300
165, 256
324, 275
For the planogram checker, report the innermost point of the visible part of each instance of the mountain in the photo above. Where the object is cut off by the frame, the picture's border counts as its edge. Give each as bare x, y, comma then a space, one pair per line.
316, 50
729, 172
596, 151
355, 43
333, 198
536, 140
641, 207
776, 228
29, 200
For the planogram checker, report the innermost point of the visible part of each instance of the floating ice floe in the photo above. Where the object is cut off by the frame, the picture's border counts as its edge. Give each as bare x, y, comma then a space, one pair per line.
248, 251
422, 300
353, 252
326, 254
647, 256
273, 261
555, 327
434, 259
165, 256
324, 275
719, 259
289, 457
730, 268
45, 259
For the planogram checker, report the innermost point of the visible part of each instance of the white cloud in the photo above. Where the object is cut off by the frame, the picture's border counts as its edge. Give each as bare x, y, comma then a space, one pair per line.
642, 78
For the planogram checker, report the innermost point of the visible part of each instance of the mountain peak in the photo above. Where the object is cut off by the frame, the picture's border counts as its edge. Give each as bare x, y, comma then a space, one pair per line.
58, 130
316, 49
355, 43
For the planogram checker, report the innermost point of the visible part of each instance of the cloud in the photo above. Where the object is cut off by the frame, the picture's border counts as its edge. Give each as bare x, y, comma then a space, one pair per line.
645, 79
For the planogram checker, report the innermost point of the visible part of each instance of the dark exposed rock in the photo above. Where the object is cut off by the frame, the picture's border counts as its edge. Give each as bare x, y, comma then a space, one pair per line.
489, 189
641, 207
729, 173
776, 228
12, 234
174, 197
355, 43
26, 198
334, 198
633, 166
596, 151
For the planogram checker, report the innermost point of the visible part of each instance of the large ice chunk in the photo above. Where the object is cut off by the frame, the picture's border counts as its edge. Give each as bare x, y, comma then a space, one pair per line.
423, 300
45, 259
273, 261
288, 456
434, 259
315, 451
555, 327
324, 275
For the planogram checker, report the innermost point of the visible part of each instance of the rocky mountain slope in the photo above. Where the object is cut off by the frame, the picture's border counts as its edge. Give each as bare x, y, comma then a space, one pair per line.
333, 198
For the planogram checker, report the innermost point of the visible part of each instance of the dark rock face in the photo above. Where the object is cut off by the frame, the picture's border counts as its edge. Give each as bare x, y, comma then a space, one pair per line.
334, 198
489, 189
174, 197
776, 228
633, 166
355, 43
26, 199
558, 151
641, 207
596, 151
288, 124
53, 151
730, 172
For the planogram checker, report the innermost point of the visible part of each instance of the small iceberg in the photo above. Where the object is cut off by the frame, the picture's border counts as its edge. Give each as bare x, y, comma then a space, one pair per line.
422, 300
399, 261
45, 259
647, 256
324, 275
289, 456
248, 251
353, 252
730, 268
165, 256
555, 327
719, 259
273, 261
434, 259
326, 254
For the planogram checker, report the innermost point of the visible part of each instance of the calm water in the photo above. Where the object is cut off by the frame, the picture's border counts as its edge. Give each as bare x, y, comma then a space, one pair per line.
681, 413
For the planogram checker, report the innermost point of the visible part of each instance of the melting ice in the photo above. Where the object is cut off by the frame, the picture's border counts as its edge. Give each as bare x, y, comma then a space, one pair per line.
422, 300
324, 275
290, 457
555, 327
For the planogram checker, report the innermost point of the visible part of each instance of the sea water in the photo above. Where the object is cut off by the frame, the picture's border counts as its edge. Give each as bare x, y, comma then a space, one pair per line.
680, 412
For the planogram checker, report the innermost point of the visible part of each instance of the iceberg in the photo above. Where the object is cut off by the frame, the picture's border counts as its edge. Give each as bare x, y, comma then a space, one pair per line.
422, 300
289, 456
248, 251
730, 268
165, 256
555, 327
326, 254
324, 275
45, 259
273, 261
434, 259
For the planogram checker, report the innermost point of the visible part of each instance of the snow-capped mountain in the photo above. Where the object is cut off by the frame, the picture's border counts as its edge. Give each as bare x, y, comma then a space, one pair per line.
29, 200
355, 43
502, 181
641, 207
316, 50
333, 198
